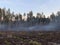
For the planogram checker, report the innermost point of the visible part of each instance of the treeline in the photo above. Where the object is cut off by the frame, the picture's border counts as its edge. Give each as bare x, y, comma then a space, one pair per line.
6, 16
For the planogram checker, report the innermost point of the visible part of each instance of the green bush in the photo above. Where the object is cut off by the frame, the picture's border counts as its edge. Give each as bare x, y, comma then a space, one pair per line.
34, 43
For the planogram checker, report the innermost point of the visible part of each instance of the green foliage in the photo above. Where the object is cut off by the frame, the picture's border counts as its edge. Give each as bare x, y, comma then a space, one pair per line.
7, 43
34, 42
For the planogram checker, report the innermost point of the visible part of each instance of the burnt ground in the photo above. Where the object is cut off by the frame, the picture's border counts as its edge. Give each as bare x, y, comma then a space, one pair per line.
29, 37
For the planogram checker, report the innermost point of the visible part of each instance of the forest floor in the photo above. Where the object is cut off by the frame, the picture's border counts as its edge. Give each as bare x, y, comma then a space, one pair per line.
29, 37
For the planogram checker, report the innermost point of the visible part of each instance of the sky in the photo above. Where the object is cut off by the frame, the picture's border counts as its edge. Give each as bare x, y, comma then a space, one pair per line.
24, 6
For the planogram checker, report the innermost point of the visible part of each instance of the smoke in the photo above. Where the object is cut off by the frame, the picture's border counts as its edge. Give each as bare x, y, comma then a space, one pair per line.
23, 27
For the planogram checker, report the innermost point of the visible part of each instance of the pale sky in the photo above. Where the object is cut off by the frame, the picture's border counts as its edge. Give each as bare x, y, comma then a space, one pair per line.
21, 6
